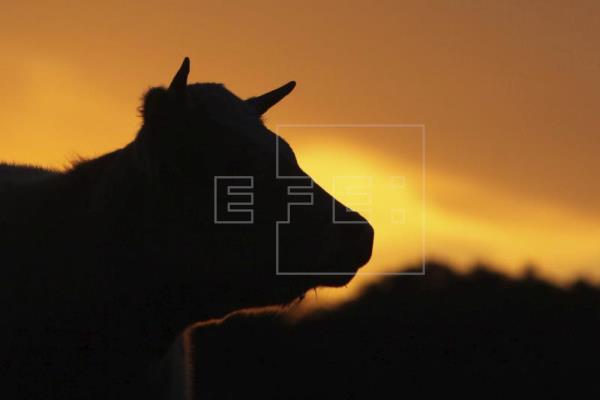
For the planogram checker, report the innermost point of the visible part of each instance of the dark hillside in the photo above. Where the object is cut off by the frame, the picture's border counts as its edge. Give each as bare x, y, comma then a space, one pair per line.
482, 333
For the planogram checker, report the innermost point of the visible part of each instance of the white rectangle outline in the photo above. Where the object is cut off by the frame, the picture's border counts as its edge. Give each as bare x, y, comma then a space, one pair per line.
423, 219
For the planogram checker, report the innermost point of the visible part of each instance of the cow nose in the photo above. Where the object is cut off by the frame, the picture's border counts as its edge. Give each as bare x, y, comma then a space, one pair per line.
358, 240
365, 243
356, 235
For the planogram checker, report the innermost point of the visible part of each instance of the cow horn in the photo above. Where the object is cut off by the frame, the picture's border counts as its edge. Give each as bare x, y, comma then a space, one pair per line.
179, 82
263, 102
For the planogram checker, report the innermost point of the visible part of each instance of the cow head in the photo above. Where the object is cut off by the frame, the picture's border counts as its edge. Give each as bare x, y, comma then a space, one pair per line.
198, 142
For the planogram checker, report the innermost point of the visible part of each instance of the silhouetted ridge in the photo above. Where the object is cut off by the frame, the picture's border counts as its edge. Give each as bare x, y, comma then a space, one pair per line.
482, 332
18, 173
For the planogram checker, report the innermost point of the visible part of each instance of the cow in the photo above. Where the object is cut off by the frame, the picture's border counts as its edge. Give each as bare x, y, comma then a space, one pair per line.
104, 264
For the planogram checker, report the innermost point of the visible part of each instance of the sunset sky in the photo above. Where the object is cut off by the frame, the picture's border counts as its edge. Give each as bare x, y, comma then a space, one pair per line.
507, 92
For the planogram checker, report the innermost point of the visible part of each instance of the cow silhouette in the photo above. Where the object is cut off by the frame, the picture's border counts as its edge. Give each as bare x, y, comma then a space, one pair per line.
104, 265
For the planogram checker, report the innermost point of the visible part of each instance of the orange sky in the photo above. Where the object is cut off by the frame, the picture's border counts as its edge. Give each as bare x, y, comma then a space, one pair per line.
507, 92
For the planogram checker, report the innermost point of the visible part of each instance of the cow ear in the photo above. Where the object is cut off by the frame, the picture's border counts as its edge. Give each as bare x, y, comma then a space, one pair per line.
263, 102
155, 106
179, 82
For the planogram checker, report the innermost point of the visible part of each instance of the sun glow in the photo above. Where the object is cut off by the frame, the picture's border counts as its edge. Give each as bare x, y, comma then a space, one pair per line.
460, 222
